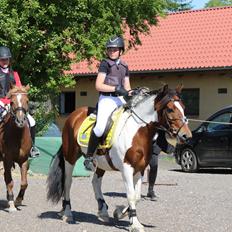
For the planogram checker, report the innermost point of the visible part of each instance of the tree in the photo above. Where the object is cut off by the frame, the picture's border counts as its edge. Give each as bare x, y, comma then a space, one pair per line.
43, 34
180, 5
215, 3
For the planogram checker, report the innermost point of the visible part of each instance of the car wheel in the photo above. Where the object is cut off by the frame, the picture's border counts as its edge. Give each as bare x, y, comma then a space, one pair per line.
188, 160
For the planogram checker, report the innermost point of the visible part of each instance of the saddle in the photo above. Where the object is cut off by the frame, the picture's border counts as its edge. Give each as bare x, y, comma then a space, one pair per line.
87, 125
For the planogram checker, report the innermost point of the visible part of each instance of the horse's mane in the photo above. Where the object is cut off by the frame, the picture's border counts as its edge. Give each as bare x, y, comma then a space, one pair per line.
15, 89
139, 95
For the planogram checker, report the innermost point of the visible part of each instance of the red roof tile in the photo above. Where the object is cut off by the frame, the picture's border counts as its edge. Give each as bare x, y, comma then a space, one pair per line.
195, 39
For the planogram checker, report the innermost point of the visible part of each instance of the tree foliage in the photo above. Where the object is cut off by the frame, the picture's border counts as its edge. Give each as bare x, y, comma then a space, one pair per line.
215, 3
180, 5
43, 34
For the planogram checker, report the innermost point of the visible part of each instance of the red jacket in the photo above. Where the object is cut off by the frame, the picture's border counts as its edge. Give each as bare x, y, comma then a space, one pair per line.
6, 100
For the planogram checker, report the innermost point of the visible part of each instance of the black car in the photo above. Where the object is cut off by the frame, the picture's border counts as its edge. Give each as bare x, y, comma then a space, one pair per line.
211, 144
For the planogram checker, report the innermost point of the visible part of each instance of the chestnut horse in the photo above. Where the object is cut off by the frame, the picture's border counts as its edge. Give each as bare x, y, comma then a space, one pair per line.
130, 153
15, 142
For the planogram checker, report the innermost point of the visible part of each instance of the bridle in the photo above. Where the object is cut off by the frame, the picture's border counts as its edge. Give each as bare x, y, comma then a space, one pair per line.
160, 106
173, 131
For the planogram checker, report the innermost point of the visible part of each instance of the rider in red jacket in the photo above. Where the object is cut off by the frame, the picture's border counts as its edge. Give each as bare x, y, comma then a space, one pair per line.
7, 76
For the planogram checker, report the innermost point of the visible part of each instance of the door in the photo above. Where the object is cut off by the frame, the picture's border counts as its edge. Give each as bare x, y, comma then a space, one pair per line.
214, 146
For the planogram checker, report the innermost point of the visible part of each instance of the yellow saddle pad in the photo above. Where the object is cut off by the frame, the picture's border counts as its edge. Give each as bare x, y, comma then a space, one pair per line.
87, 125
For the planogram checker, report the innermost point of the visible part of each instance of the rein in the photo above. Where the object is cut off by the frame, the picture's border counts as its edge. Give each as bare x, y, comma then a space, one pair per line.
213, 122
132, 111
160, 106
13, 111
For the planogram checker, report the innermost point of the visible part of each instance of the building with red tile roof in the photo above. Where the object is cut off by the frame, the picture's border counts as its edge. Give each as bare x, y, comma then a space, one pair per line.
188, 40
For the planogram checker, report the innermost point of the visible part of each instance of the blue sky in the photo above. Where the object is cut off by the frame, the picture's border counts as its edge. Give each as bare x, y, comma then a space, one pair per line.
199, 4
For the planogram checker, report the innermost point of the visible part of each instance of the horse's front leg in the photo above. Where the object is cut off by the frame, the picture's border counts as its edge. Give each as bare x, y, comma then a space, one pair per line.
24, 183
102, 206
66, 212
138, 186
9, 186
123, 211
127, 174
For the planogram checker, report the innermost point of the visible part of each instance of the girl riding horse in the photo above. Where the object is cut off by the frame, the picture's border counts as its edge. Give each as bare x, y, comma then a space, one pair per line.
15, 142
112, 83
130, 152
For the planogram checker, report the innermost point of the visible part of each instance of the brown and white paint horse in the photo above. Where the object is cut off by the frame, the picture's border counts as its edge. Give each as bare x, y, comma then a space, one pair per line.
129, 154
15, 142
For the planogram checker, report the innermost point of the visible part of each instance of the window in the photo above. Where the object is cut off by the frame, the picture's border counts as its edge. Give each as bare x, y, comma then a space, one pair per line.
222, 90
67, 102
191, 99
83, 93
223, 118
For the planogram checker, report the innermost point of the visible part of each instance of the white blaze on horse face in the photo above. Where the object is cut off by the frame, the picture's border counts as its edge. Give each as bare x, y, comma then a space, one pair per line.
19, 100
178, 105
19, 97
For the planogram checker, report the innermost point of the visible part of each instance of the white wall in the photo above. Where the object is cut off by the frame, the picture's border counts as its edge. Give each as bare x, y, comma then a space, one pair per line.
210, 100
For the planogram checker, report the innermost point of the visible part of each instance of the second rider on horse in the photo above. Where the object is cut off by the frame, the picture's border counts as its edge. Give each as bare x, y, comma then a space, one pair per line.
112, 83
8, 76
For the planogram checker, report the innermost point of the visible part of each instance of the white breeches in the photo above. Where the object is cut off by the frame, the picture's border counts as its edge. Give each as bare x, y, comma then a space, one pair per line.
106, 105
31, 120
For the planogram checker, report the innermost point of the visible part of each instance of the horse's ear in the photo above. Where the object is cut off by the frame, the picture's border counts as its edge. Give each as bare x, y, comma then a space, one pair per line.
179, 88
27, 87
165, 88
11, 85
8, 94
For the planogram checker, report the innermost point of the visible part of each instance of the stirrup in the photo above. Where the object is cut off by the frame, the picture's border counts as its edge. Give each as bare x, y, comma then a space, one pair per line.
90, 164
34, 152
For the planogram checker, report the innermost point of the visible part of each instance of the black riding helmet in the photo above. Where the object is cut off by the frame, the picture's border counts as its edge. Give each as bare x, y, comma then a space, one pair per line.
116, 42
5, 52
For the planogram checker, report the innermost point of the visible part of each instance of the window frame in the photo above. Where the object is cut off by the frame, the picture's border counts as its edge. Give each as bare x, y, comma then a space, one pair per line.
193, 110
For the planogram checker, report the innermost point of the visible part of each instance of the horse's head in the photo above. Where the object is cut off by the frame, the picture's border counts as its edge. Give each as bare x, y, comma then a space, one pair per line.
170, 111
19, 104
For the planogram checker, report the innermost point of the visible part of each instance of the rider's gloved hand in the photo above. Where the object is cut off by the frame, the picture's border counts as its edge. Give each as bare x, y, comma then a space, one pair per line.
120, 91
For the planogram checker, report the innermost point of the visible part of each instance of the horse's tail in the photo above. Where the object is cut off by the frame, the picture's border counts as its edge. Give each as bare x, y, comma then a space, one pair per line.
55, 180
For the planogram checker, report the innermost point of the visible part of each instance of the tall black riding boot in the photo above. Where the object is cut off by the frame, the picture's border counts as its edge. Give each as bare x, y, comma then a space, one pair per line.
34, 151
151, 179
92, 146
153, 171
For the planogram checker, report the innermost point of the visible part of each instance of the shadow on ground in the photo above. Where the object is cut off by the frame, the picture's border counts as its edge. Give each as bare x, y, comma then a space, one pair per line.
222, 171
82, 217
114, 194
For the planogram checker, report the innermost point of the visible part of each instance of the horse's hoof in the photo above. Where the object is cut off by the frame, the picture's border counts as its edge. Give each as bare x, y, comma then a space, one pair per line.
68, 219
118, 212
11, 207
103, 217
18, 202
61, 213
134, 229
11, 210
103, 214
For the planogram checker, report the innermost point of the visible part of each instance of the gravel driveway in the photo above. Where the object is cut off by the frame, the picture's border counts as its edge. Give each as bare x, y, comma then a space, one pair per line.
186, 202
